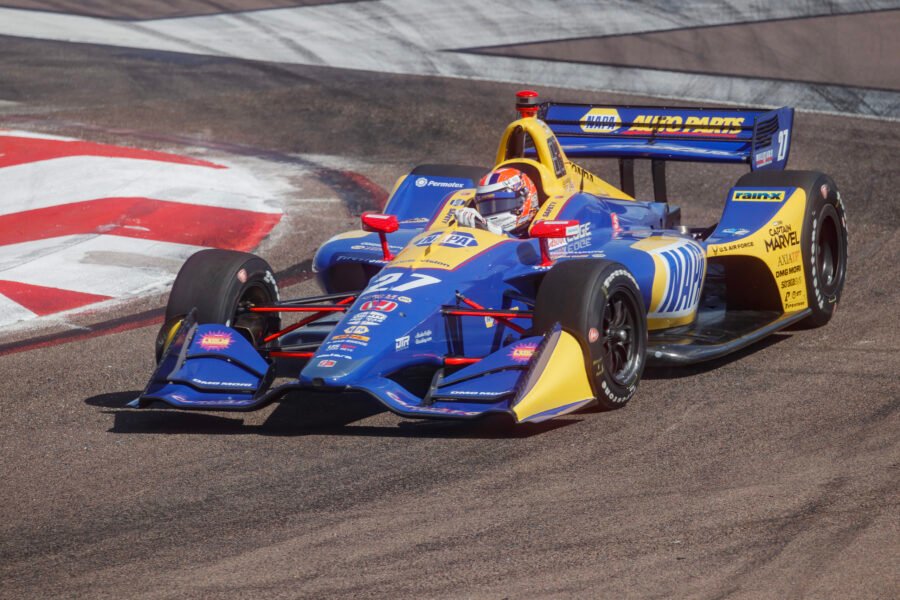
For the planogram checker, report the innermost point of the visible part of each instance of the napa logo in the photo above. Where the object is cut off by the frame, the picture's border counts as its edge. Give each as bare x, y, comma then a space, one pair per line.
460, 239
682, 267
428, 239
758, 195
601, 120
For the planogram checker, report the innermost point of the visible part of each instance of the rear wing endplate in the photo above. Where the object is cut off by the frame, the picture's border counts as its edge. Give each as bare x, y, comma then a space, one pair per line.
758, 137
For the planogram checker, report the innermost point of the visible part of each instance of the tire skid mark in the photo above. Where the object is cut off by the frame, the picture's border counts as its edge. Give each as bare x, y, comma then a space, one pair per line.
795, 525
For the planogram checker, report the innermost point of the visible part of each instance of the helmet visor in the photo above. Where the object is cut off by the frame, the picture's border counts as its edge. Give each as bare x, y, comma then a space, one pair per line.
497, 202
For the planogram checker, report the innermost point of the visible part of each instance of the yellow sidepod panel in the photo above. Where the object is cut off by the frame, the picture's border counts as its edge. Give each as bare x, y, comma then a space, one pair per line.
777, 244
557, 383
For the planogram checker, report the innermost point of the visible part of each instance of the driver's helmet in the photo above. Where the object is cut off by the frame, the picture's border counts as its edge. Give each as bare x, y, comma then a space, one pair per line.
508, 199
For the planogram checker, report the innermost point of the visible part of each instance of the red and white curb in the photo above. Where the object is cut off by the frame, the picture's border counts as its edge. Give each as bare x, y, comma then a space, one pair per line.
83, 223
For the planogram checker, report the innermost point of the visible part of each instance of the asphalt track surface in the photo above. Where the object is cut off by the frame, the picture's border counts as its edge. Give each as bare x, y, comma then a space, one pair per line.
773, 474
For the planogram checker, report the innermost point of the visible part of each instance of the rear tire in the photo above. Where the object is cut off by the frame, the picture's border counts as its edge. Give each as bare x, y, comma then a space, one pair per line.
215, 283
598, 302
823, 242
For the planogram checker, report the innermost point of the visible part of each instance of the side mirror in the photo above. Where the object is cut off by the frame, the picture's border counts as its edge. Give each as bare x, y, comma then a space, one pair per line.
545, 230
373, 221
383, 224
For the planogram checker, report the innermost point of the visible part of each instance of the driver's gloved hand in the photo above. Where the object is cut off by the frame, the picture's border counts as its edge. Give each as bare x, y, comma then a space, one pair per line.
469, 217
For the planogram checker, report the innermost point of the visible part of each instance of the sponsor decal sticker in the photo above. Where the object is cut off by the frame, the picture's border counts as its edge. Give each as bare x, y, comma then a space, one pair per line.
423, 336
460, 239
736, 232
593, 335
231, 384
425, 182
367, 318
522, 353
581, 173
335, 355
578, 239
242, 275
481, 393
371, 246
428, 239
379, 305
216, 340
793, 298
356, 329
718, 126
682, 266
731, 247
326, 363
757, 195
401, 343
351, 337
601, 120
548, 209
789, 271
781, 237
789, 258
766, 157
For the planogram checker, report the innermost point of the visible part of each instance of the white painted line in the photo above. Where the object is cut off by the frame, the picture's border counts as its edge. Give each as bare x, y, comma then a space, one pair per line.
11, 312
77, 178
35, 135
107, 265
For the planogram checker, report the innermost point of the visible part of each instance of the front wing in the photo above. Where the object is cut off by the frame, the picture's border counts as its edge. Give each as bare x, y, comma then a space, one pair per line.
213, 367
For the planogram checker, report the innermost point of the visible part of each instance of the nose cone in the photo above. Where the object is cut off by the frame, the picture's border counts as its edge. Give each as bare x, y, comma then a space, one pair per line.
374, 338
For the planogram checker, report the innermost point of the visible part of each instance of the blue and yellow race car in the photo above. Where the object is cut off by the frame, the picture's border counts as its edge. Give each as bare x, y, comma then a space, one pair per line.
433, 319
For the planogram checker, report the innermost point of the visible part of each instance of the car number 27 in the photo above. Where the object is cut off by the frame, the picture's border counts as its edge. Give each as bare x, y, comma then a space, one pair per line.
391, 282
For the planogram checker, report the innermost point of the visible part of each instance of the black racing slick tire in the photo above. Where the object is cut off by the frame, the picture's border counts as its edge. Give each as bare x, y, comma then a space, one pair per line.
216, 283
823, 242
599, 303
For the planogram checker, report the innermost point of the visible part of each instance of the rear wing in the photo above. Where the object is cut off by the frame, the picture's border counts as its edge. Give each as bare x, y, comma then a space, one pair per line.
758, 137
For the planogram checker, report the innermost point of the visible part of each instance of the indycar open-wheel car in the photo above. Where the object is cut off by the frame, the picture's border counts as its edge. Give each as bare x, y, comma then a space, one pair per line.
434, 319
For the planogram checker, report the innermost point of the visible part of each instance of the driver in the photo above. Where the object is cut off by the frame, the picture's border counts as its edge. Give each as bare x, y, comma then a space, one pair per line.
506, 201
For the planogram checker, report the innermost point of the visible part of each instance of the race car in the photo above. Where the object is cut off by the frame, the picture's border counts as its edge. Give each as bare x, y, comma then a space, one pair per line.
434, 319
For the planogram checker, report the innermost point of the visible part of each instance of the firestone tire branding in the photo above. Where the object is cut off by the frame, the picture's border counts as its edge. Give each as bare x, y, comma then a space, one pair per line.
617, 399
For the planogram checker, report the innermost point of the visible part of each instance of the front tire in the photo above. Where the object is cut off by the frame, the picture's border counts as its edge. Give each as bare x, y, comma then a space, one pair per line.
598, 302
216, 283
